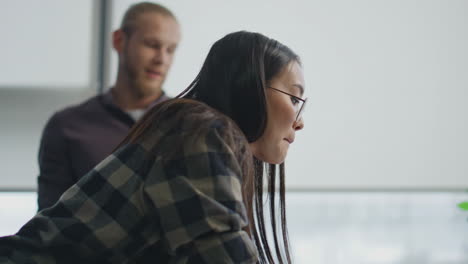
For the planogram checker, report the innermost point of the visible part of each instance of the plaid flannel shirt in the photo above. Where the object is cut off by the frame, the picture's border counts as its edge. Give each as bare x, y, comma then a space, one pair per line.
137, 207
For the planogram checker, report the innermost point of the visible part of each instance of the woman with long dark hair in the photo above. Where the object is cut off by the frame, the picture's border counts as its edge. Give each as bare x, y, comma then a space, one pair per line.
186, 185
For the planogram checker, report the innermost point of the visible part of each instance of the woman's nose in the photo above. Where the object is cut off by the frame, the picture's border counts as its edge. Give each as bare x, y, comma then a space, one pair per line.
299, 124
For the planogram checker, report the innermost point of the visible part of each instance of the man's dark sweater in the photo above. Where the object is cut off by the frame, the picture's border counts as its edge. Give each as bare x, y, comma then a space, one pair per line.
75, 140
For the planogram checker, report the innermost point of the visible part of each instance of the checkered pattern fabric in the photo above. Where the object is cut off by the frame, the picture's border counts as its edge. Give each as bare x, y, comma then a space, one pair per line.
139, 206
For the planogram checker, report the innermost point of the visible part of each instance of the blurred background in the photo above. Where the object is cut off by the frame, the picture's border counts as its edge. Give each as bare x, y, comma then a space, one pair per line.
378, 171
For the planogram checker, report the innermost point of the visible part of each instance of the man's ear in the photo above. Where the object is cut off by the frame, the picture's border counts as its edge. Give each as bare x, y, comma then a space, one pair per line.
118, 40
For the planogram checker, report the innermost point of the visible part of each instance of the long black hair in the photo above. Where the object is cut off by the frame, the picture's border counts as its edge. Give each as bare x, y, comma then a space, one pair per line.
233, 80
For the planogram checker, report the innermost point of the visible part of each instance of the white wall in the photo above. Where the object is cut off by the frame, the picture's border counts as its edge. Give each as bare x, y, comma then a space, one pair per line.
386, 80
47, 44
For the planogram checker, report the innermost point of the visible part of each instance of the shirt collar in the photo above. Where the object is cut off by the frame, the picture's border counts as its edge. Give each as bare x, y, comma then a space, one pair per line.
135, 114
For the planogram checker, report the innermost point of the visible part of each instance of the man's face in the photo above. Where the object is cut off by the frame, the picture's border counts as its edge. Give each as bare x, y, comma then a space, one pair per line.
148, 53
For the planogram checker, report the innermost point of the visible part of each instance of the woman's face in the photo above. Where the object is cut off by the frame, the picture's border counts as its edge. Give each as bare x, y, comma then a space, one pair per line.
281, 126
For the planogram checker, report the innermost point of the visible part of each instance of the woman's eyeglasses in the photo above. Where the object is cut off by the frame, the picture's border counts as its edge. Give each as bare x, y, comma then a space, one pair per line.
298, 103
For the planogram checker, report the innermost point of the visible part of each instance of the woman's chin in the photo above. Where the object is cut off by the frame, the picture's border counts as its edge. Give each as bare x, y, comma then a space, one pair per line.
271, 155
271, 160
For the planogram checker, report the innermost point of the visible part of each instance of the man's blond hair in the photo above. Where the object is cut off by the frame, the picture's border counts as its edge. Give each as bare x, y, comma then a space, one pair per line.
135, 10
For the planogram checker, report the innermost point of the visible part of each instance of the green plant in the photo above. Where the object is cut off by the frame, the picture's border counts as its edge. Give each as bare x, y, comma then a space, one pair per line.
463, 206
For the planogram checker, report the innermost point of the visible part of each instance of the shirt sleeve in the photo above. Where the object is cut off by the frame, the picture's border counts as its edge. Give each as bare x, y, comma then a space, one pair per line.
55, 175
100, 219
200, 205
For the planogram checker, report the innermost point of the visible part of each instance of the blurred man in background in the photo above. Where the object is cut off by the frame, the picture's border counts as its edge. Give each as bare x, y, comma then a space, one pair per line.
77, 138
